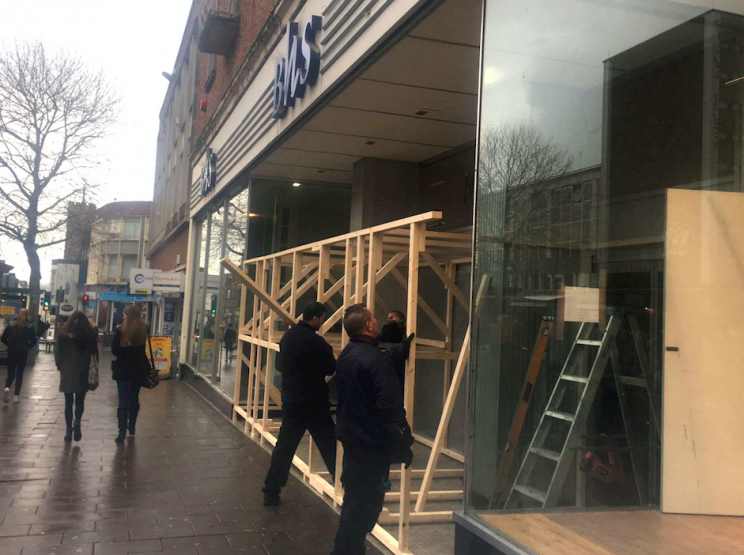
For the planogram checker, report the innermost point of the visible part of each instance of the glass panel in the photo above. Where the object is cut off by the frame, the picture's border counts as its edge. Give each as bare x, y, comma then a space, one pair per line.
209, 347
128, 262
197, 300
592, 111
235, 244
113, 267
131, 228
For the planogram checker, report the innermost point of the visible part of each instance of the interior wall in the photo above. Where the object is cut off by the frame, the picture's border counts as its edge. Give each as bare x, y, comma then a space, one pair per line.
447, 185
383, 191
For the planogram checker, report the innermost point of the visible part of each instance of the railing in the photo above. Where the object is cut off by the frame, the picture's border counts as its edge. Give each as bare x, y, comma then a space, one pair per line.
220, 26
342, 271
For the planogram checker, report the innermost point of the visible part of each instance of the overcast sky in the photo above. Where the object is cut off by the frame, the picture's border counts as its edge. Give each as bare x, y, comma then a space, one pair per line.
133, 42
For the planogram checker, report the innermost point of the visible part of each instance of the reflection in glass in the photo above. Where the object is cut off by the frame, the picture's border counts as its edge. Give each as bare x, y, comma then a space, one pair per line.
590, 111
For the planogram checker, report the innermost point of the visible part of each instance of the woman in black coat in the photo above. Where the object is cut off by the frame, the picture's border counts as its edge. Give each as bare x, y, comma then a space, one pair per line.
77, 343
131, 368
20, 339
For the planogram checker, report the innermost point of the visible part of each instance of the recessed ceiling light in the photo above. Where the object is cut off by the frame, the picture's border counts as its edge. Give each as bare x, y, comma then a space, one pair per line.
422, 112
295, 184
370, 142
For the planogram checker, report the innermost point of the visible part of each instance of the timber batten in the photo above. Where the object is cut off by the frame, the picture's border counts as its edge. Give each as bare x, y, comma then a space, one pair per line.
342, 271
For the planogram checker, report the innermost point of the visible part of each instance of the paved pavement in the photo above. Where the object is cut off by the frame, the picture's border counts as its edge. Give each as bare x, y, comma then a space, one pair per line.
188, 484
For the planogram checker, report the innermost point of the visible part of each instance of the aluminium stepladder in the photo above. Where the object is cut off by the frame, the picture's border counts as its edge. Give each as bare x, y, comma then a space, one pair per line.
583, 388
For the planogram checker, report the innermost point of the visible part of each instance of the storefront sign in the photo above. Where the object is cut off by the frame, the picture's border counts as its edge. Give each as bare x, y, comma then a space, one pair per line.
66, 309
209, 173
299, 68
124, 298
141, 281
161, 354
168, 282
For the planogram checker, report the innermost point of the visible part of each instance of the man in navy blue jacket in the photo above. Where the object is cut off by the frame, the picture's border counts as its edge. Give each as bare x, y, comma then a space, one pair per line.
305, 360
371, 425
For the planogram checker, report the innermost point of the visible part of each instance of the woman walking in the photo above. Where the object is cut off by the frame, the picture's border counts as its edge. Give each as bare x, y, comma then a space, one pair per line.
20, 339
131, 368
77, 343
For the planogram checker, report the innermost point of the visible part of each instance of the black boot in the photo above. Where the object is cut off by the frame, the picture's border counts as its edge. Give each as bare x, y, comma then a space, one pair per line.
121, 414
76, 429
133, 412
68, 434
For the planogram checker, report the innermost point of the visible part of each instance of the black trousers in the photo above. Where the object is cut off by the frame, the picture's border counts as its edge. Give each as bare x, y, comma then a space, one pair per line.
364, 477
16, 367
77, 399
296, 419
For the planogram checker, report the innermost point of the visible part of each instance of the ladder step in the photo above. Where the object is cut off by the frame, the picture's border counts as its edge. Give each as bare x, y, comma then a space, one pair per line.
546, 453
577, 379
637, 382
534, 493
561, 415
589, 342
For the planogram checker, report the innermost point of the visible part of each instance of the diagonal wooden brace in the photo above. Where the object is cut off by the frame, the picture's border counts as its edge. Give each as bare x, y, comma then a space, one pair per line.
243, 278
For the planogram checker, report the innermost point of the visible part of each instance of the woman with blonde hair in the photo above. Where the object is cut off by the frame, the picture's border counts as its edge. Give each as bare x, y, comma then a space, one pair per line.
131, 368
77, 344
20, 339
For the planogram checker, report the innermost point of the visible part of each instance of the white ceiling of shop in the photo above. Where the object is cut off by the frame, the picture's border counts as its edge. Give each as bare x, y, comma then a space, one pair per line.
433, 69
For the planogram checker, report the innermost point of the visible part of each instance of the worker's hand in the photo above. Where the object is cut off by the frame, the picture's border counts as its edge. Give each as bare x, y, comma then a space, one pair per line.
408, 458
409, 339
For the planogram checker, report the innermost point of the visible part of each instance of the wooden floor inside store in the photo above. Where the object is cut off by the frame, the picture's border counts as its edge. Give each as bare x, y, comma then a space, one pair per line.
622, 533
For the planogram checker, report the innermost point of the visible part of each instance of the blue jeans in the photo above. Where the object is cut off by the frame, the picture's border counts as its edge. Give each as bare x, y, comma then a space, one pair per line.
128, 394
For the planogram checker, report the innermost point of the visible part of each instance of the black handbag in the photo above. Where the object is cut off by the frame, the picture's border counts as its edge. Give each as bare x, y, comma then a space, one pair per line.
153, 378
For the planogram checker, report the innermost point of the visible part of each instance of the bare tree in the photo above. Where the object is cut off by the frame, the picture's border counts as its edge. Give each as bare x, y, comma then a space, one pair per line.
53, 111
517, 166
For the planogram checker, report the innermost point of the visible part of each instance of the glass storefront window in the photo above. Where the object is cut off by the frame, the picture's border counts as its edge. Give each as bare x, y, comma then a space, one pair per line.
591, 112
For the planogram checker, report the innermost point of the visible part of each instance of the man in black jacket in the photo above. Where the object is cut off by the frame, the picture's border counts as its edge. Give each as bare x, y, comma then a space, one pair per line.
305, 360
371, 425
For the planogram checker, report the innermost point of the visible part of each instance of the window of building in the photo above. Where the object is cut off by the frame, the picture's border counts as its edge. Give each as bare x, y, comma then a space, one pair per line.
113, 267
128, 262
132, 228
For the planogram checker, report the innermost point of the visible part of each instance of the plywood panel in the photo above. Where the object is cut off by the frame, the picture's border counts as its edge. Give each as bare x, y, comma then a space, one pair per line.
703, 445
581, 304
621, 533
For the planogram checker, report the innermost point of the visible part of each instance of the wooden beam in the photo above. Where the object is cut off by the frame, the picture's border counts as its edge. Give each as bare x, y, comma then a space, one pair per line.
405, 222
436, 495
421, 302
375, 259
449, 404
417, 236
359, 276
449, 282
257, 291
386, 517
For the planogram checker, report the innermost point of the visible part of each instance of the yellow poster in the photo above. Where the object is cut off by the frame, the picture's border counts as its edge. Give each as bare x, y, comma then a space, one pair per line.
7, 310
161, 355
207, 354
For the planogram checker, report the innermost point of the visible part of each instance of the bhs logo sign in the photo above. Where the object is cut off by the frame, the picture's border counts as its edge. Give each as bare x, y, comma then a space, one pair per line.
299, 68
209, 173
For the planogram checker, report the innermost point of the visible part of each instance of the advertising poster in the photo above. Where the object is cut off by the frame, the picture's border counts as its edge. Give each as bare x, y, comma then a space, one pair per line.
207, 354
161, 355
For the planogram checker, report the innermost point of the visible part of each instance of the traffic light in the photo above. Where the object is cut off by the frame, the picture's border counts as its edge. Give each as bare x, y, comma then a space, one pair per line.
47, 299
46, 307
214, 305
85, 299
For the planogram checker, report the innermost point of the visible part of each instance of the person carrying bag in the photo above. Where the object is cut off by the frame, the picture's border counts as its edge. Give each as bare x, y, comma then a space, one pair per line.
132, 369
76, 358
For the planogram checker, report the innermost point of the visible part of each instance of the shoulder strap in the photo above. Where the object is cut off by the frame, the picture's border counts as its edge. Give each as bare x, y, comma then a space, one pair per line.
152, 355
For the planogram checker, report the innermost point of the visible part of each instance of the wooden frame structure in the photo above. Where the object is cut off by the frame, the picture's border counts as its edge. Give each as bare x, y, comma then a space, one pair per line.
343, 271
